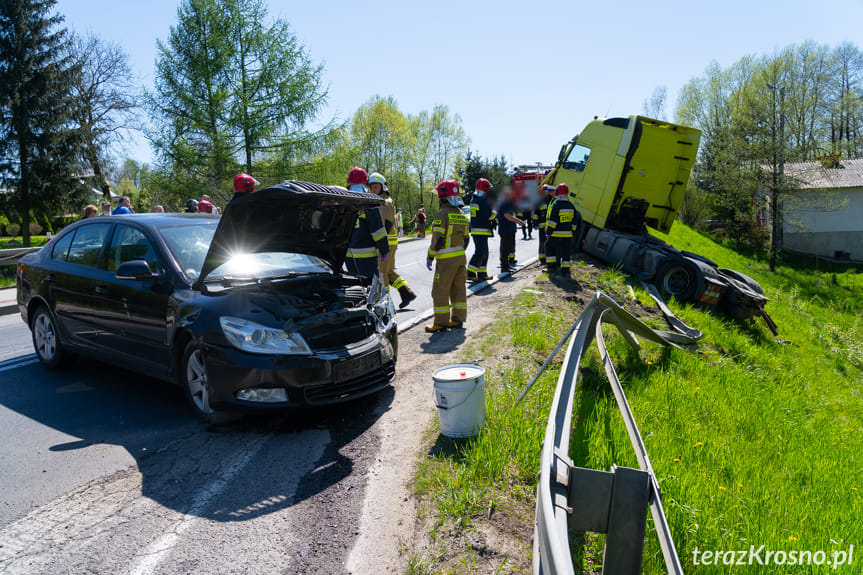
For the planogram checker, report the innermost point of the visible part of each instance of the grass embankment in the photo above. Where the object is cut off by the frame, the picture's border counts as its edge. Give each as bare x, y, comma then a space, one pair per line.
754, 442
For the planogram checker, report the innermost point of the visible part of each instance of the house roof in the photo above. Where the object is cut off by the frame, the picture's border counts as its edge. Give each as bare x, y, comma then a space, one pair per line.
814, 176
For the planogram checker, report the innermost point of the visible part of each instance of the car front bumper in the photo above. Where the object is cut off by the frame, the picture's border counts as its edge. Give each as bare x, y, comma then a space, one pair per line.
324, 378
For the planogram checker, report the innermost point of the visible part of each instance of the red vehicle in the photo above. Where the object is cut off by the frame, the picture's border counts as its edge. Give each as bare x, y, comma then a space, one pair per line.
525, 183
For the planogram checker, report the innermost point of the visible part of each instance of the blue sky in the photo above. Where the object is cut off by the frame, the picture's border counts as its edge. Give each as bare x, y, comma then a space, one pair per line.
524, 76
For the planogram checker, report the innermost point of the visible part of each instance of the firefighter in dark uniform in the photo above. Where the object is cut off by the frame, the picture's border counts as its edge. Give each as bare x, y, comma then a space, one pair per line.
369, 238
448, 242
481, 226
539, 215
391, 277
559, 225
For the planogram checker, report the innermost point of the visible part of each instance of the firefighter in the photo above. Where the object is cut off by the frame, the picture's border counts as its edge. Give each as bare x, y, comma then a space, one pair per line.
507, 224
243, 184
448, 242
481, 229
539, 215
387, 265
369, 239
559, 224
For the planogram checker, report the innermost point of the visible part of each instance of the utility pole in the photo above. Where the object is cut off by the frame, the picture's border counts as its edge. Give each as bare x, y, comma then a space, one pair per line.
778, 176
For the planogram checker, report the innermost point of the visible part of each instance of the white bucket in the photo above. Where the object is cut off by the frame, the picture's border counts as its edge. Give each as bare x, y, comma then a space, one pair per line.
460, 399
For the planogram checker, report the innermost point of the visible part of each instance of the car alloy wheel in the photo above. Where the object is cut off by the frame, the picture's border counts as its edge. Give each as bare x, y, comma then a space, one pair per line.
196, 382
678, 278
197, 387
46, 340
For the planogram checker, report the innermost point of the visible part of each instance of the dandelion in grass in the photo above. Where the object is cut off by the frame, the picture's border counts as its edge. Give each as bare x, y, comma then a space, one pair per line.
739, 486
792, 538
697, 389
676, 460
853, 489
722, 488
698, 444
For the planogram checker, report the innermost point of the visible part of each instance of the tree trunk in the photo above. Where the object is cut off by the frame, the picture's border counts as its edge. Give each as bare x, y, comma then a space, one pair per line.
24, 190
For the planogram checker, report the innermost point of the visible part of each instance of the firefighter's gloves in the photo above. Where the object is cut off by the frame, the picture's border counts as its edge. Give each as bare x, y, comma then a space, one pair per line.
384, 257
429, 265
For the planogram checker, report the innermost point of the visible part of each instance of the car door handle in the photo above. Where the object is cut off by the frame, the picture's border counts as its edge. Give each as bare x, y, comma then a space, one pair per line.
101, 290
50, 278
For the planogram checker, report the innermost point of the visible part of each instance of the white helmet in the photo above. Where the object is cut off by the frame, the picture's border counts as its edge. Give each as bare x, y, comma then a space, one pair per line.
378, 178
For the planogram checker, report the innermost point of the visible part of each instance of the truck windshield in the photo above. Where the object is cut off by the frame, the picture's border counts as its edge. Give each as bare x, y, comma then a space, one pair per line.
577, 158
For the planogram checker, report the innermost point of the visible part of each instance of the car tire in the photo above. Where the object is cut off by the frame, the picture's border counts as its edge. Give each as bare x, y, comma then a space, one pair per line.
46, 339
193, 376
677, 277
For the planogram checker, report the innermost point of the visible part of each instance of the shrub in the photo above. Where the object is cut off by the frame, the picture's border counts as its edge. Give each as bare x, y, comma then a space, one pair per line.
13, 229
35, 229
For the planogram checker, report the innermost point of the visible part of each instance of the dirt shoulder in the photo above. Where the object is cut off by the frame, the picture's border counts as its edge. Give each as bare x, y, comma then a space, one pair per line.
389, 514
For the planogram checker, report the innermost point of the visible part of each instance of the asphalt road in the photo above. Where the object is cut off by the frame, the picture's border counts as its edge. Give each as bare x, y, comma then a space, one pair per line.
102, 470
410, 263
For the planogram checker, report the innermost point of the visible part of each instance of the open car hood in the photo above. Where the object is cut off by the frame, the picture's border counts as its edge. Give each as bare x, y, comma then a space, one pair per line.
293, 217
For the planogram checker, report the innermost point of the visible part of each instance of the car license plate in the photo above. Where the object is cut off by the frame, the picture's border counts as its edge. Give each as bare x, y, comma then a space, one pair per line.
351, 368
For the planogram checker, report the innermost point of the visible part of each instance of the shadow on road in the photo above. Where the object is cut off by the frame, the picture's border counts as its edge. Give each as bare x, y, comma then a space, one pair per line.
443, 341
298, 455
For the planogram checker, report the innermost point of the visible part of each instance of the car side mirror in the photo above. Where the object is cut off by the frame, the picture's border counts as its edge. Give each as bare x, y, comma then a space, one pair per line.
135, 270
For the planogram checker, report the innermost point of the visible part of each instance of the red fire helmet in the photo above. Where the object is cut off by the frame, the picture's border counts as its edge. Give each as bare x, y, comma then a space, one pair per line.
447, 189
244, 183
358, 175
483, 185
562, 189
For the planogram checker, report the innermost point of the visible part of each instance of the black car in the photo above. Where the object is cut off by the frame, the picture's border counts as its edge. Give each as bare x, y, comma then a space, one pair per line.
247, 311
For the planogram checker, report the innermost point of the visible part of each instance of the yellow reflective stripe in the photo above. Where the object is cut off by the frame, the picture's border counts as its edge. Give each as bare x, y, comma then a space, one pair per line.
551, 259
451, 250
393, 241
480, 232
451, 255
399, 282
542, 225
471, 268
457, 219
459, 305
379, 234
441, 309
438, 230
564, 234
362, 253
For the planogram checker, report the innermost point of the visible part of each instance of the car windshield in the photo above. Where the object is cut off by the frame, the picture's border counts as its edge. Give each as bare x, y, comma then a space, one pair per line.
189, 245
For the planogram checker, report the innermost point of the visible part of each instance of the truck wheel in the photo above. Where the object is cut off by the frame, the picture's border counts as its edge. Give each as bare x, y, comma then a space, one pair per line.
678, 278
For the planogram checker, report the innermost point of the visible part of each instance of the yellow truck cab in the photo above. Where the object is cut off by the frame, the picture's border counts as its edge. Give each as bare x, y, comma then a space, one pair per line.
625, 172
628, 174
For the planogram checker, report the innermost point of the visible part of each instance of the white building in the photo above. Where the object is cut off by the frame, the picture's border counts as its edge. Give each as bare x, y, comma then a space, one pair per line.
824, 217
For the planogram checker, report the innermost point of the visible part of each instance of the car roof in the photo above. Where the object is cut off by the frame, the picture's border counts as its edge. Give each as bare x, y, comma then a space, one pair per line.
153, 220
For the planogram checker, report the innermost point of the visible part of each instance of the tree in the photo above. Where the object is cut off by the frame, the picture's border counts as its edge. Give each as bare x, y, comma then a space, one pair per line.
448, 142
475, 167
39, 145
106, 100
654, 106
190, 103
275, 87
228, 86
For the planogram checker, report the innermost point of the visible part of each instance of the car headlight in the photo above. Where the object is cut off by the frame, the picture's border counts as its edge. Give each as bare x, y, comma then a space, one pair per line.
256, 338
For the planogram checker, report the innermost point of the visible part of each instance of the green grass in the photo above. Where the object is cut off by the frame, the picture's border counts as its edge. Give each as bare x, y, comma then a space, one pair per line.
754, 442
7, 272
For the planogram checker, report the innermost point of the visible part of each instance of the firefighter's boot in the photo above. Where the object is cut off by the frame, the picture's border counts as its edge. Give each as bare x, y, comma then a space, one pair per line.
407, 296
434, 328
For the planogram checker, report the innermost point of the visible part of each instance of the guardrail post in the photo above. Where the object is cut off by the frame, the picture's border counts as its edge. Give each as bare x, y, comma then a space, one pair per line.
614, 503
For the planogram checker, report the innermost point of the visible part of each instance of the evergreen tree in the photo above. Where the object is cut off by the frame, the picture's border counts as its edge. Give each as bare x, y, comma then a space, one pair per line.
39, 146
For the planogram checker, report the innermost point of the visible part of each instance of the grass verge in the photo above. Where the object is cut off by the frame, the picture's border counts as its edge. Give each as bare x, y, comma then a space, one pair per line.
754, 441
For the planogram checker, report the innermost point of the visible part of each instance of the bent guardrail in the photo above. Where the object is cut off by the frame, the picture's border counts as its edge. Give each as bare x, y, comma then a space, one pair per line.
10, 256
589, 500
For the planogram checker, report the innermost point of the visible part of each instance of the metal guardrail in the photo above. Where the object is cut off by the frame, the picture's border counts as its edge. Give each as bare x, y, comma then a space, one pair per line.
589, 500
10, 256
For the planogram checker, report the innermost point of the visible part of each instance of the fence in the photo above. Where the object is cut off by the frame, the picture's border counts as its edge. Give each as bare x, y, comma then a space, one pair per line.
616, 502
